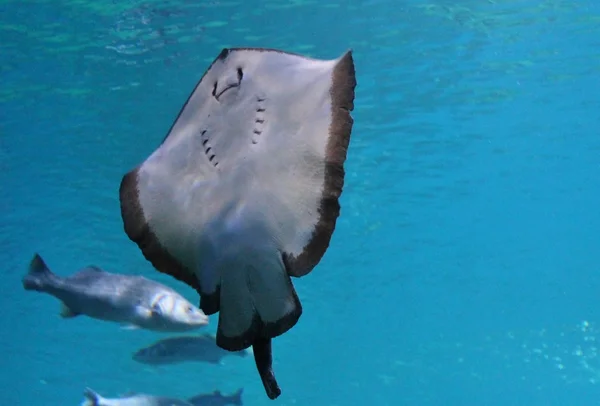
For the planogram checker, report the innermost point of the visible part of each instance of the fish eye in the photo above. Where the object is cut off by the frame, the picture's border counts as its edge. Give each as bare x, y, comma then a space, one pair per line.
189, 309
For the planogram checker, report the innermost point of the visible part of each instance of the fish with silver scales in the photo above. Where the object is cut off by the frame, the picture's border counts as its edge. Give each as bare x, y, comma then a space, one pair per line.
133, 301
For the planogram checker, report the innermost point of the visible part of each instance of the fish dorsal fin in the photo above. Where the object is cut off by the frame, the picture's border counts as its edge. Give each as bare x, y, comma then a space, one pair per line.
37, 265
92, 398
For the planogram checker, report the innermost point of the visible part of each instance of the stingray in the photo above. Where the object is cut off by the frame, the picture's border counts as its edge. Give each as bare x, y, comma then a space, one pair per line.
243, 192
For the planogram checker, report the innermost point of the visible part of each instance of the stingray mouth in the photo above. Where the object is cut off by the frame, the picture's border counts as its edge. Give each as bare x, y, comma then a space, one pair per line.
217, 95
218, 91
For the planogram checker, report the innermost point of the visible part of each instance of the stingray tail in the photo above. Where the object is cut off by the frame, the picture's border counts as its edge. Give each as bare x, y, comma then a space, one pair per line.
257, 303
39, 275
263, 357
91, 398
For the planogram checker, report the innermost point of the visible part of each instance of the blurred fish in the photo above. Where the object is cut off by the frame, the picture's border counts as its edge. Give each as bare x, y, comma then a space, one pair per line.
217, 399
94, 399
134, 301
201, 348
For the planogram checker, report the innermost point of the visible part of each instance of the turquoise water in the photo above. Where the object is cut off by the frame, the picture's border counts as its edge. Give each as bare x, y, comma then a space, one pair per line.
464, 267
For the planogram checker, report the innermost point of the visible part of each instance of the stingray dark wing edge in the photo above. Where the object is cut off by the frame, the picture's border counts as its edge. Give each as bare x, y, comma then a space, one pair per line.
138, 230
340, 129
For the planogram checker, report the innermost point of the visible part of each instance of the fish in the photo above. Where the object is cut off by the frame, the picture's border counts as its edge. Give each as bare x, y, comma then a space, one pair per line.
92, 398
132, 301
244, 191
217, 399
173, 350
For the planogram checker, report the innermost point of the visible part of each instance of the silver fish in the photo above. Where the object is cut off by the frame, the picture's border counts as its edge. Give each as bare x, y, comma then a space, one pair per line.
134, 301
218, 399
172, 350
94, 399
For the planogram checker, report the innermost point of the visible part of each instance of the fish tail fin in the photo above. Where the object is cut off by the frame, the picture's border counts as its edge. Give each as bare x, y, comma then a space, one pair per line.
237, 397
38, 275
91, 398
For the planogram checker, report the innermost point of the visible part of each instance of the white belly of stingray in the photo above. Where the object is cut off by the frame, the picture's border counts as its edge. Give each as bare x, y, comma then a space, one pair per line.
243, 191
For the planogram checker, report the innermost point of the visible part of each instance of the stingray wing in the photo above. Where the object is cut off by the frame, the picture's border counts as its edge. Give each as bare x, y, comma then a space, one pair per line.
296, 147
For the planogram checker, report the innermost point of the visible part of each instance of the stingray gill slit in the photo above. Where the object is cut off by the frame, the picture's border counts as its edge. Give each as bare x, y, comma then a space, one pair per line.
208, 149
259, 119
277, 127
218, 92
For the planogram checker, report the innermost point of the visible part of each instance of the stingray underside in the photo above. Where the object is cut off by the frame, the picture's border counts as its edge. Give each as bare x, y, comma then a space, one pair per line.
243, 193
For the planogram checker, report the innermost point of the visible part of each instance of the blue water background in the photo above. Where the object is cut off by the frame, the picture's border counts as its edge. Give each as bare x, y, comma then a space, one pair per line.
464, 267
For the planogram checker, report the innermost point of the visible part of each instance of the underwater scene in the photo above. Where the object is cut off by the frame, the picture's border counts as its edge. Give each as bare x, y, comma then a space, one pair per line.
300, 202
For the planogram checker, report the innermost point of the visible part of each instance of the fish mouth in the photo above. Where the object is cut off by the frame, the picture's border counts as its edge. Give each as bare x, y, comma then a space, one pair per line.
201, 321
191, 323
200, 318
